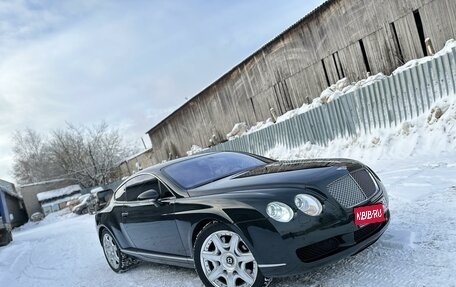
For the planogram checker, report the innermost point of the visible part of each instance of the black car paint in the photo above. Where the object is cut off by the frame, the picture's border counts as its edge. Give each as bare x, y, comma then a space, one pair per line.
164, 231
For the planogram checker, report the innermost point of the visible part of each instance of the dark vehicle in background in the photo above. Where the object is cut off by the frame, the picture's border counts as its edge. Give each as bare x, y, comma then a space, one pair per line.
83, 206
5, 233
240, 218
5, 221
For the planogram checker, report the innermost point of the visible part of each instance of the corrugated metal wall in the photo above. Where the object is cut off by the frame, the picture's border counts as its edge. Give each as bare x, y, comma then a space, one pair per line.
385, 103
342, 38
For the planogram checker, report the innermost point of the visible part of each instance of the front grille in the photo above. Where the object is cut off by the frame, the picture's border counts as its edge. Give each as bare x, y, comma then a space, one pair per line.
346, 191
367, 231
318, 250
365, 181
353, 189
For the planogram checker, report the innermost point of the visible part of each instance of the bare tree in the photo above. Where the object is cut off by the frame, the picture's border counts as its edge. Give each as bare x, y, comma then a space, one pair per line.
87, 154
32, 157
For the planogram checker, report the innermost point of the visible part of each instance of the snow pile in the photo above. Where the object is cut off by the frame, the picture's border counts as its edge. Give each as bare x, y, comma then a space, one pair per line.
96, 189
331, 93
58, 192
238, 130
260, 126
340, 88
450, 44
431, 133
195, 149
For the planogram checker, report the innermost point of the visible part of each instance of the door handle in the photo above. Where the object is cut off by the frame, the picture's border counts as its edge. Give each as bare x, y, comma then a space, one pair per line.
124, 214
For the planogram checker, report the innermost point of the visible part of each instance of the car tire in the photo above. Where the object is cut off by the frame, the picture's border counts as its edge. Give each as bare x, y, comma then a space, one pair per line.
117, 260
223, 259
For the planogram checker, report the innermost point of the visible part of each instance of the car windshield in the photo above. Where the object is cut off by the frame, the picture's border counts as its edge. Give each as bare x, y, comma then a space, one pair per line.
208, 168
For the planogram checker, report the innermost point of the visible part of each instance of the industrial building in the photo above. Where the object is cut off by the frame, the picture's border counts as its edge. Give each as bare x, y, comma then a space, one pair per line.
30, 193
341, 38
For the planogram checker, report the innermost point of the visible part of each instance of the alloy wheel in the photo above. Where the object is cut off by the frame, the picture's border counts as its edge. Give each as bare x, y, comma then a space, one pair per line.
227, 261
111, 251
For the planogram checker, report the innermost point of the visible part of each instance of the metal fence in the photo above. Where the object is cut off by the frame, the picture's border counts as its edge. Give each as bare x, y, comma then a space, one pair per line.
385, 103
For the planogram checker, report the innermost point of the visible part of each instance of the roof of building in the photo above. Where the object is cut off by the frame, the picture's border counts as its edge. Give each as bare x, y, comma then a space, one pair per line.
60, 200
59, 192
8, 188
135, 155
308, 16
44, 182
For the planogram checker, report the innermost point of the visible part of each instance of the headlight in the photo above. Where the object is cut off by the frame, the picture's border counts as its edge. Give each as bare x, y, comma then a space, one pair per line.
279, 211
308, 204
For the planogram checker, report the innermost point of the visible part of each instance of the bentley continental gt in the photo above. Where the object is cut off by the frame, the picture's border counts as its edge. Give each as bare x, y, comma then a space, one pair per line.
240, 219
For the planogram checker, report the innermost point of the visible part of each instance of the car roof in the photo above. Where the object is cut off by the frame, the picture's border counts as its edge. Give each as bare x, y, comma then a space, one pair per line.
158, 167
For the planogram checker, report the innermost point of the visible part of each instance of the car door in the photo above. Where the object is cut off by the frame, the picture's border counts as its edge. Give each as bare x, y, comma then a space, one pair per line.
150, 224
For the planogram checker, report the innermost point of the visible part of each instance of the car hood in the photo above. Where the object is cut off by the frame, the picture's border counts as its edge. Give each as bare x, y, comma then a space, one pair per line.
316, 173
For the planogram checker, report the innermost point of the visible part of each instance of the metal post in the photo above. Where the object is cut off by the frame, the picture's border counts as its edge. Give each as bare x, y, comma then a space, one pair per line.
429, 47
273, 115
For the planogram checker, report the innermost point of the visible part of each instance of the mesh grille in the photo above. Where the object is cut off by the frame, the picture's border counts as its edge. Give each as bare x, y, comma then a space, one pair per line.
367, 231
346, 191
318, 250
365, 181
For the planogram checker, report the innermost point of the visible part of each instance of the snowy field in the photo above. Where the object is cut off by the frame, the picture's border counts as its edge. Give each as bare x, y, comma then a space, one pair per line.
418, 249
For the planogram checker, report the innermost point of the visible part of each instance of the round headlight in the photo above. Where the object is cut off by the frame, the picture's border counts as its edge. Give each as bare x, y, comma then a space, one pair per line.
308, 204
279, 211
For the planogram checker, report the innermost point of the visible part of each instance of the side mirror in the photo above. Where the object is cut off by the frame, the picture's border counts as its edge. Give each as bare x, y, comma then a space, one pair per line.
104, 196
149, 194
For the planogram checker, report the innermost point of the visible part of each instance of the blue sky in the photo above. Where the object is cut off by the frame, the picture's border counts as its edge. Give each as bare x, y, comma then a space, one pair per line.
130, 63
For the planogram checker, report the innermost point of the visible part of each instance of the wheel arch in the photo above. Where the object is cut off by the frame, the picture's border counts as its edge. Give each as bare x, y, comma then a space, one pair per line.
102, 228
199, 226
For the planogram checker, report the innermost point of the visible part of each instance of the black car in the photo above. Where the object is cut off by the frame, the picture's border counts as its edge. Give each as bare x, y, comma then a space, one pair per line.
241, 218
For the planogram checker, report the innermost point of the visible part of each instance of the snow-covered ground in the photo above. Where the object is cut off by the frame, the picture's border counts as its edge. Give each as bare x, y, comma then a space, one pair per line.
418, 249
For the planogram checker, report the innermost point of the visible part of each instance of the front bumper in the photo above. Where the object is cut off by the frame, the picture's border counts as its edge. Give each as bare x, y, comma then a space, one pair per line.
288, 253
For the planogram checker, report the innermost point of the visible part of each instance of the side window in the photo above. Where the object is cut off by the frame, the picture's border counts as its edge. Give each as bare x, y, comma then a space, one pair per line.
120, 194
139, 184
164, 191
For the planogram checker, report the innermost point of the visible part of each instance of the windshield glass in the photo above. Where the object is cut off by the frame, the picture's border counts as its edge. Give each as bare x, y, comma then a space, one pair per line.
204, 169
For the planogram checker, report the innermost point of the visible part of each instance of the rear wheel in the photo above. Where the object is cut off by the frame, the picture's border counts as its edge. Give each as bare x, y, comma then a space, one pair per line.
222, 259
117, 260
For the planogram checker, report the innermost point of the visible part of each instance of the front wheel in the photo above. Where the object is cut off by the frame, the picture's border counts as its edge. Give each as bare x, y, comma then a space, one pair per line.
222, 259
117, 260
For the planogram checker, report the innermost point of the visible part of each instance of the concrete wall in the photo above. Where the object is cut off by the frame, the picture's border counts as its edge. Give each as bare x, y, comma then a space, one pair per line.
297, 65
30, 191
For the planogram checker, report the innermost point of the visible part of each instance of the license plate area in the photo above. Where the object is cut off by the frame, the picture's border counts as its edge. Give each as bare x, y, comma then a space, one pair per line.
369, 214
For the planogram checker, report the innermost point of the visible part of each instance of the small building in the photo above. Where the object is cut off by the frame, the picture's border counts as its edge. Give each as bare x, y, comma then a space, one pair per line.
135, 163
30, 191
57, 199
14, 204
